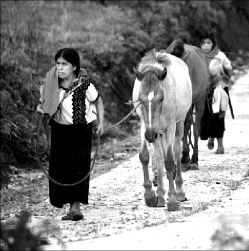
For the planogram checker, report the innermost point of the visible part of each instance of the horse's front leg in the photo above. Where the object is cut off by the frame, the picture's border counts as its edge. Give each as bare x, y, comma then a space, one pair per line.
197, 127
185, 145
149, 195
154, 166
169, 161
158, 164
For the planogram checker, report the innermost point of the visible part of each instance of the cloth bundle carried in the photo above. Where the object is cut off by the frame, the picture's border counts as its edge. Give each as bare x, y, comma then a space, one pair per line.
49, 93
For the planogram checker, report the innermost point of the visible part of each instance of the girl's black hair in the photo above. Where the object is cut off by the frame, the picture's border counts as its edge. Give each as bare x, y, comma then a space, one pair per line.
207, 35
71, 55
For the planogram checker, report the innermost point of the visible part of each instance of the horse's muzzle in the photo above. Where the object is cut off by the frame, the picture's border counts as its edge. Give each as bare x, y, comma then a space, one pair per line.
150, 135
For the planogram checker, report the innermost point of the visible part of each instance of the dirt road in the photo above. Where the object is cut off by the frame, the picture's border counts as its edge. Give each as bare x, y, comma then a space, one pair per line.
216, 215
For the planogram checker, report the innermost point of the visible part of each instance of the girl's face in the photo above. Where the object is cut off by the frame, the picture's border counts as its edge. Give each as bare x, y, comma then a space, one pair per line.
206, 45
64, 69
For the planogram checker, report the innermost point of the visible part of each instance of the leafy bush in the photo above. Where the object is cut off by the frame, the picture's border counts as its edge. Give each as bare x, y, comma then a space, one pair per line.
17, 127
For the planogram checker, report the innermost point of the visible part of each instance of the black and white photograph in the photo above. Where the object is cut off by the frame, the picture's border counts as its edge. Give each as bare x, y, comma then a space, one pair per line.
124, 125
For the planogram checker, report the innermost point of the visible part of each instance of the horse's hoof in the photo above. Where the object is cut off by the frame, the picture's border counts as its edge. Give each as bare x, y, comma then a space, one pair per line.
173, 206
185, 158
151, 200
181, 197
184, 167
160, 202
194, 166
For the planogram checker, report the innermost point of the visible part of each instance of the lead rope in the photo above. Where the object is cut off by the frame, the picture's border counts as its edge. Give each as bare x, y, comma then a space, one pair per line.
95, 154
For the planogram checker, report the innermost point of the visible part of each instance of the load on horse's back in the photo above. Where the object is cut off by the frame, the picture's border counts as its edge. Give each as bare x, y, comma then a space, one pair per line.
199, 74
163, 88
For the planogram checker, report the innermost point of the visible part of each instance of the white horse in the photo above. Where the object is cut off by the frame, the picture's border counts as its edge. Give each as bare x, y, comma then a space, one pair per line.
163, 87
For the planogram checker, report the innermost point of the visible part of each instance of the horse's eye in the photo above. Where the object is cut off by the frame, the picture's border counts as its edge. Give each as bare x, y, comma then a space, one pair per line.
159, 98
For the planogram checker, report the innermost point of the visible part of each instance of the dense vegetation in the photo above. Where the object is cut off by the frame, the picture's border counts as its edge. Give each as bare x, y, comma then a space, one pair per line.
111, 37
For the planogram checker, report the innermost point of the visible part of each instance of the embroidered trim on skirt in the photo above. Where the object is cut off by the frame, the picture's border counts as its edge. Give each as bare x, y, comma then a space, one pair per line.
70, 159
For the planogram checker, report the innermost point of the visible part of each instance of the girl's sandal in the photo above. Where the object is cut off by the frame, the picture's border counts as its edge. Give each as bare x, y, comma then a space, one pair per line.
73, 216
219, 151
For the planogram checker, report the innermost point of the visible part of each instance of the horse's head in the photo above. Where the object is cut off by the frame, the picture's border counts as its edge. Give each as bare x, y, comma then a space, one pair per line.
151, 96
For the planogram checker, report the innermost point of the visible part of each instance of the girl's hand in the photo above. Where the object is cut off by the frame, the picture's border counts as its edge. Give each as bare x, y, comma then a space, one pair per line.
100, 129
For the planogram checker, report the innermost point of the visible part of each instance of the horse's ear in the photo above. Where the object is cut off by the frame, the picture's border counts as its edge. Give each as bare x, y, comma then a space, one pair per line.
138, 74
178, 50
162, 75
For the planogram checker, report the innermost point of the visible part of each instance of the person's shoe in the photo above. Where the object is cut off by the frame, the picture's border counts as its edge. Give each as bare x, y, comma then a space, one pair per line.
73, 216
210, 144
220, 150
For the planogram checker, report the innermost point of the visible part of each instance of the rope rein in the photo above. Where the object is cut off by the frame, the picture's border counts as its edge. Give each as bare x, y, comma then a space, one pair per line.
124, 118
95, 154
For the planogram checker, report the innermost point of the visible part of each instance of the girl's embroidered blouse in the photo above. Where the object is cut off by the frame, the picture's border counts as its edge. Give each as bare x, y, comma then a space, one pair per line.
65, 115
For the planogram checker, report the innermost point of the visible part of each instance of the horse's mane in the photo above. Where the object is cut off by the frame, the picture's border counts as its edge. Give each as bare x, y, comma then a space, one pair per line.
151, 64
151, 60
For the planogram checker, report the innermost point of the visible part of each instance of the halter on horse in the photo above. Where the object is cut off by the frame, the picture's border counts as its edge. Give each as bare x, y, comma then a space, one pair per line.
163, 87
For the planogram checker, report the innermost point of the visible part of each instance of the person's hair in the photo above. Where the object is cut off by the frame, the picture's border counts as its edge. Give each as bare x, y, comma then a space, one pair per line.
70, 55
207, 35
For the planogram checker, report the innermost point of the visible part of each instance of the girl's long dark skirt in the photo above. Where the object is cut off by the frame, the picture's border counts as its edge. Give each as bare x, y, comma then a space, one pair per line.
211, 124
217, 127
70, 159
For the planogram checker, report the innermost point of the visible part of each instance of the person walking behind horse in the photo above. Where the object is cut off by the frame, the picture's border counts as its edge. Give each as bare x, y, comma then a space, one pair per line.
220, 68
72, 104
